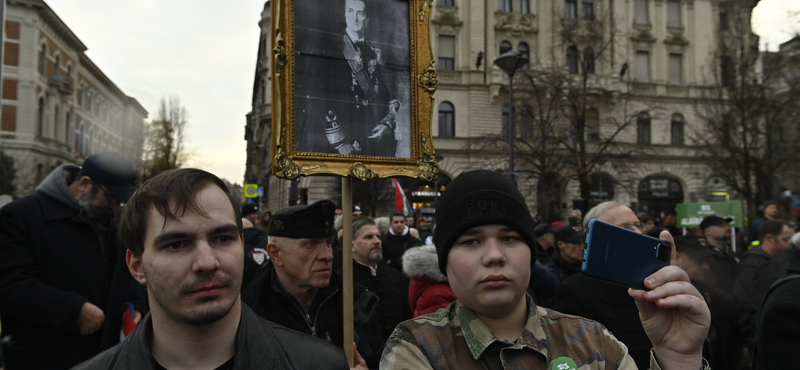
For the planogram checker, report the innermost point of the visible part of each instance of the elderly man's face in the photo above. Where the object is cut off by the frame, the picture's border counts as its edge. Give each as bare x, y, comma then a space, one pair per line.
306, 262
355, 15
623, 217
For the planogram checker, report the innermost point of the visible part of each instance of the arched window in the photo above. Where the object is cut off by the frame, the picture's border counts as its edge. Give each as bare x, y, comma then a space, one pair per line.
526, 51
66, 128
643, 128
43, 60
572, 59
58, 65
69, 71
677, 129
588, 60
505, 47
40, 118
592, 125
447, 120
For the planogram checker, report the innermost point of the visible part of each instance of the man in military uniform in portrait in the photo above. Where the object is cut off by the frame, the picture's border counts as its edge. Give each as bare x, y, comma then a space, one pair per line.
356, 114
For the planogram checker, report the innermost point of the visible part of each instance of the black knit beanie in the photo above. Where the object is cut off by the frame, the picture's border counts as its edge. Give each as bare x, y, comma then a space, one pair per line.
477, 198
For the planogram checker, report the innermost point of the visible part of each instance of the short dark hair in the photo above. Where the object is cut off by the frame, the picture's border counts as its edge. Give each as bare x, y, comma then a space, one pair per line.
360, 222
178, 186
396, 214
771, 227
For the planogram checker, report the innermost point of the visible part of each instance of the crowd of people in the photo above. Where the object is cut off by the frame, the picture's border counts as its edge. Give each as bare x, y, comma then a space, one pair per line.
182, 277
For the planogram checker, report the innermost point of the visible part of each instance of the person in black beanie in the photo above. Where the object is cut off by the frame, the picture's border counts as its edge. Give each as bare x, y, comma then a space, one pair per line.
485, 244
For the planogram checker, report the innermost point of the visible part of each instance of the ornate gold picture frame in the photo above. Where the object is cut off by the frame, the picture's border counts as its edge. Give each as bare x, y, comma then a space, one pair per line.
353, 84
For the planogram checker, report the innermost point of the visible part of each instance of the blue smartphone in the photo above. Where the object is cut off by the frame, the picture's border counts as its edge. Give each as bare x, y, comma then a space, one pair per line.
621, 256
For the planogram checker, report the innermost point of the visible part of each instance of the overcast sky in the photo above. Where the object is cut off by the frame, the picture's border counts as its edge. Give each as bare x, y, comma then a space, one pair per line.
204, 51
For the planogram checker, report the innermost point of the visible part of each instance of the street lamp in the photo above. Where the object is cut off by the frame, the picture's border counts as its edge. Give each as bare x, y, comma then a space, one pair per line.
509, 62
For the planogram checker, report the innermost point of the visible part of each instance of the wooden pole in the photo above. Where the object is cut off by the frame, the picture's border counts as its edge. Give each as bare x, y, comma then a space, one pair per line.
347, 268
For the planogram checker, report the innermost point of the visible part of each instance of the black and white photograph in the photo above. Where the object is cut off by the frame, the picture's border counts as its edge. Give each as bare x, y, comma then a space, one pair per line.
353, 77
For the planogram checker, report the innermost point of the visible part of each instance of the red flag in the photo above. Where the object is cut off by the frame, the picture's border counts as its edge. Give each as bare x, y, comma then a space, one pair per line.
401, 202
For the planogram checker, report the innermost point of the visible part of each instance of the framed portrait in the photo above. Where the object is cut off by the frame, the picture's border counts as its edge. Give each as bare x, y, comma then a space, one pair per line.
353, 84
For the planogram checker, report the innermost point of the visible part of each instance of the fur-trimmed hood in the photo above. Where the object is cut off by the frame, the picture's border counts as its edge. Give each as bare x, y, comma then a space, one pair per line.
423, 261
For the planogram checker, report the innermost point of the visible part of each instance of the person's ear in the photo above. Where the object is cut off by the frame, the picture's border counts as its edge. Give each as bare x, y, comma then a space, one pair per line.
135, 267
274, 251
84, 185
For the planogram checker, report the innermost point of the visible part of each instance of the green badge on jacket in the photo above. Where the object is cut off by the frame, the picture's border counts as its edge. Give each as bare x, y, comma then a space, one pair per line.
564, 363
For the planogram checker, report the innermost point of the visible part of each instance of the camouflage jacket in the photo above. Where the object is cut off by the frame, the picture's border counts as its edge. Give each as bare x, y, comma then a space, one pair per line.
551, 340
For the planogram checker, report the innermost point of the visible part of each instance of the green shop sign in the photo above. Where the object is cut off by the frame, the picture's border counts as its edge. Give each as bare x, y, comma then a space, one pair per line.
691, 214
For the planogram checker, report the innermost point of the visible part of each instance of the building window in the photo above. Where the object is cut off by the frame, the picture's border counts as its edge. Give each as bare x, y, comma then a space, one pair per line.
66, 128
572, 60
82, 141
723, 20
447, 120
592, 125
504, 128
523, 48
674, 14
675, 69
43, 60
642, 66
526, 122
505, 6
447, 53
55, 122
58, 65
443, 3
505, 47
588, 10
588, 60
677, 129
643, 128
40, 118
726, 71
90, 142
523, 6
69, 72
640, 12
571, 9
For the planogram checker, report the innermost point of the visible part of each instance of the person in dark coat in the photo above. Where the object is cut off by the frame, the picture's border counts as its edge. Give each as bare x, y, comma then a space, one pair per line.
776, 336
545, 242
607, 303
255, 250
63, 280
386, 282
397, 241
568, 257
299, 288
183, 232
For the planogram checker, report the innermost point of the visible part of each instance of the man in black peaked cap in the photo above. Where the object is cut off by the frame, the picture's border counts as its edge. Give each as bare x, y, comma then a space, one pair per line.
299, 289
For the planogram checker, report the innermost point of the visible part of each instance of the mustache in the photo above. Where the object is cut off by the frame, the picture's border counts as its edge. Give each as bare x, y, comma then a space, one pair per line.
193, 285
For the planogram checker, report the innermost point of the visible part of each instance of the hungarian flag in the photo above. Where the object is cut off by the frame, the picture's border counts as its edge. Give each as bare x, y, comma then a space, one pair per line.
400, 201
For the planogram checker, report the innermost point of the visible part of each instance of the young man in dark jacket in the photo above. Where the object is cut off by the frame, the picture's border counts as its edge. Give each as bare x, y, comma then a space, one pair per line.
63, 281
397, 241
183, 232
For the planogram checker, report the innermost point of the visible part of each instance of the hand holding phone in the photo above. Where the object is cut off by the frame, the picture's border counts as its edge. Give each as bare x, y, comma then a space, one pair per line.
621, 256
